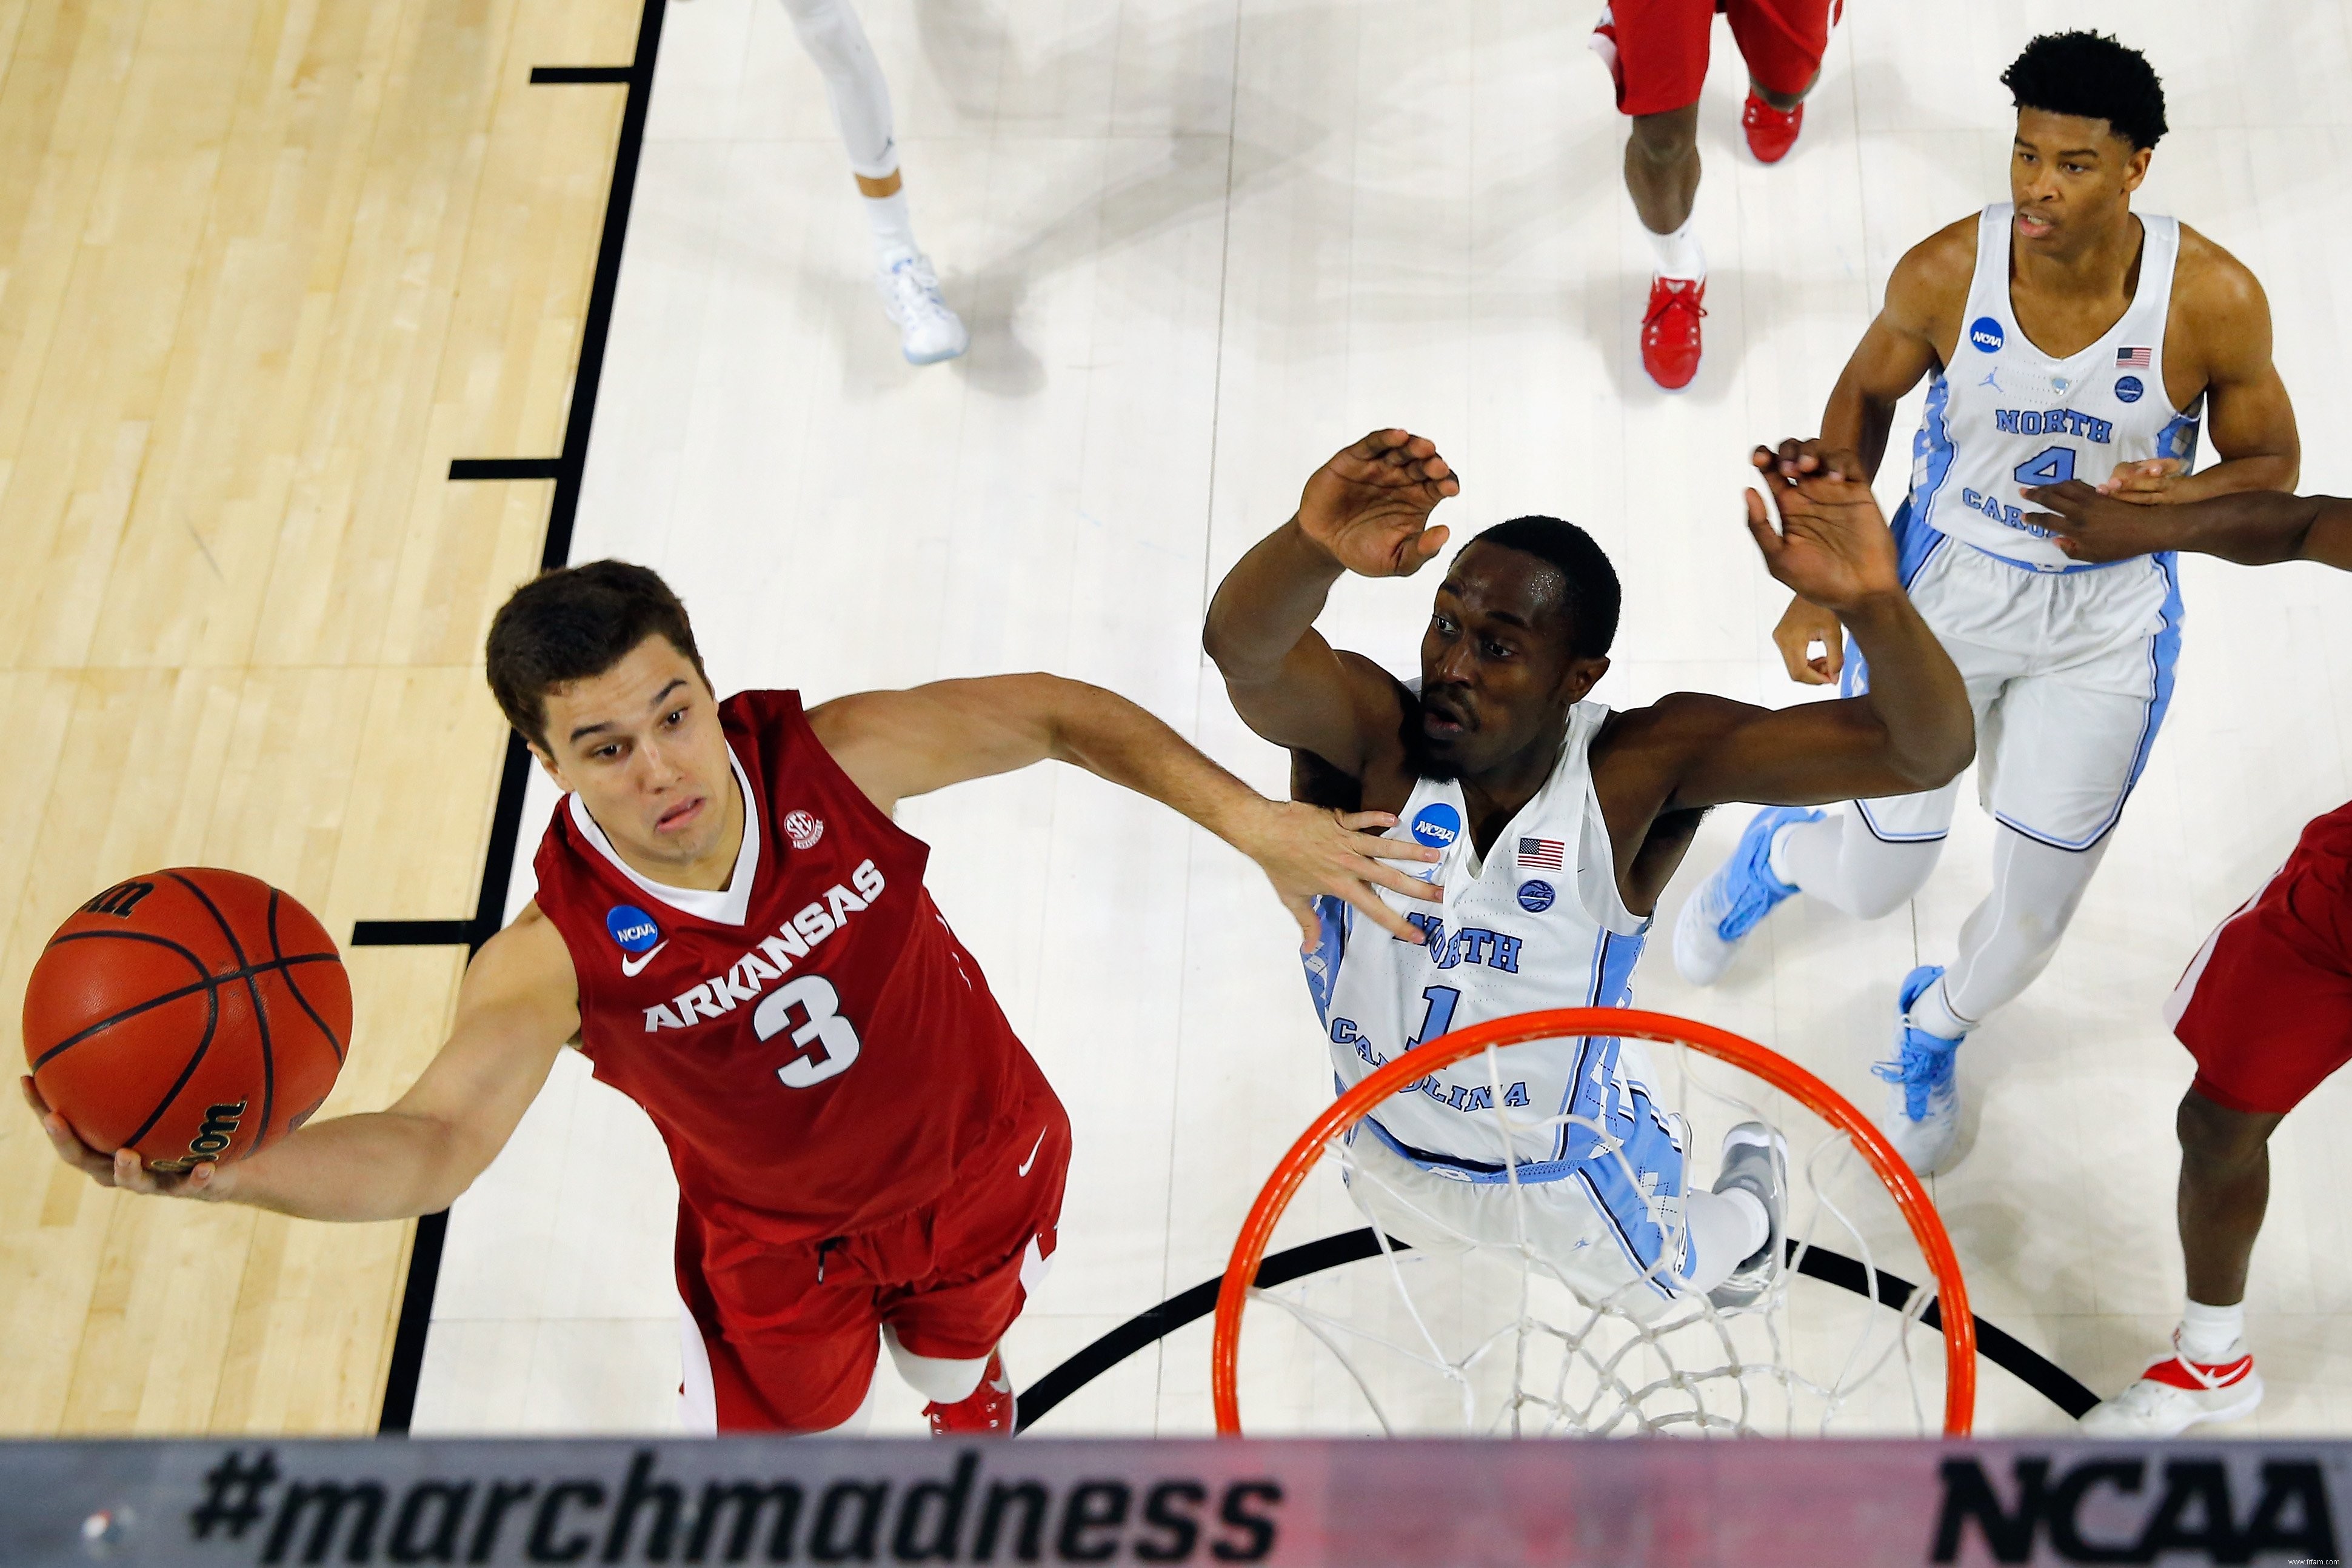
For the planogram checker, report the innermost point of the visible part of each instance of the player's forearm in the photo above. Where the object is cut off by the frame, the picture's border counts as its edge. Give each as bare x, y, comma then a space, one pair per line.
1858, 423
1266, 603
2238, 475
2262, 528
380, 1165
1916, 691
1114, 739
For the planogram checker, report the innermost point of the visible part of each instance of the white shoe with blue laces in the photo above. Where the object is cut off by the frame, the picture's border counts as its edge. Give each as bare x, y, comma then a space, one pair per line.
1922, 1119
928, 330
1741, 893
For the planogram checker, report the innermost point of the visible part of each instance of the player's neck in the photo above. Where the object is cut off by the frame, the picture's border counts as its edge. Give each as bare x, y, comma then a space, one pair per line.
2105, 265
1498, 794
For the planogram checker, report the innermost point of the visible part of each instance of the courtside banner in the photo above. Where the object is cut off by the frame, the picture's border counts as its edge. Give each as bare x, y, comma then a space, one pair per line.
1364, 1504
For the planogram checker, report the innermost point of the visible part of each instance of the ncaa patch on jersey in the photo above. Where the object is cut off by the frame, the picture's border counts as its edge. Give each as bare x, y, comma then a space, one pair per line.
1986, 334
632, 927
1536, 895
2128, 388
1438, 825
803, 827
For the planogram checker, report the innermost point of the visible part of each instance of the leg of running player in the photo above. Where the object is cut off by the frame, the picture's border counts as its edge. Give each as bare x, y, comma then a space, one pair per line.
829, 30
2225, 1186
1657, 51
1782, 42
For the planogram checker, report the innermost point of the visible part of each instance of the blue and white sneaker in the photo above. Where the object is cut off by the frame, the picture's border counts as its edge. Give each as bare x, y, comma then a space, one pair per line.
1923, 1096
928, 330
1742, 891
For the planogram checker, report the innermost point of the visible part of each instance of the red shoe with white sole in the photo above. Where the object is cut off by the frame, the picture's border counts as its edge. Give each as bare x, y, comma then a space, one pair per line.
1770, 131
986, 1412
2176, 1394
1670, 338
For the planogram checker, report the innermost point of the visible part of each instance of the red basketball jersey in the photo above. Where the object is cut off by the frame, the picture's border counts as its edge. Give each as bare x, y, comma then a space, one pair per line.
826, 1064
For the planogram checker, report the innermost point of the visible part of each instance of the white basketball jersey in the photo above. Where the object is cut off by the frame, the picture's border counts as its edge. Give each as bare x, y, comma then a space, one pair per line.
1538, 924
2004, 414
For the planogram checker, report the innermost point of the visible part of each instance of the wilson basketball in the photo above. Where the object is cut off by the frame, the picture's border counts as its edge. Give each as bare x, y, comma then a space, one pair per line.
192, 1015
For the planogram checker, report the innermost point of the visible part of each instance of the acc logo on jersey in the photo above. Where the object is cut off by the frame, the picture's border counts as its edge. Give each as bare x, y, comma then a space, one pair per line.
1986, 334
632, 927
1536, 895
1438, 825
803, 827
2128, 388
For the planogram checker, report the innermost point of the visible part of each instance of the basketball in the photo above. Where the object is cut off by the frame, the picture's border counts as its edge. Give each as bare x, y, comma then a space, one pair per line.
192, 1015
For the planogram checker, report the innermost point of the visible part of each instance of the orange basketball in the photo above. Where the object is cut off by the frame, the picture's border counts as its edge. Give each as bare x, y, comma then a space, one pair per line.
192, 1015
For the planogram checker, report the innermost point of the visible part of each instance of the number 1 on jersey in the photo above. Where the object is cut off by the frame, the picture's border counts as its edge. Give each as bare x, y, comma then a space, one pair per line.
827, 1043
1439, 1017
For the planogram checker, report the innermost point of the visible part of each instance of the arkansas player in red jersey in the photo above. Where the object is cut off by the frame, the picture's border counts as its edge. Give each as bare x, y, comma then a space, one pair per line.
2265, 1007
733, 930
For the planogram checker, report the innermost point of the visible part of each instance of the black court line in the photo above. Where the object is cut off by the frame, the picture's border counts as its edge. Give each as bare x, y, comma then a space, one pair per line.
554, 76
506, 820
465, 468
2045, 1377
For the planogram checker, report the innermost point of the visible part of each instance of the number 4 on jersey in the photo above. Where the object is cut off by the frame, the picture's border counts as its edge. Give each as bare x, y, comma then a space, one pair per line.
2051, 466
827, 1043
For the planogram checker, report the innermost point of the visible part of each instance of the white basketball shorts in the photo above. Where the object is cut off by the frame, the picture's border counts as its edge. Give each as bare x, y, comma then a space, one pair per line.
2069, 673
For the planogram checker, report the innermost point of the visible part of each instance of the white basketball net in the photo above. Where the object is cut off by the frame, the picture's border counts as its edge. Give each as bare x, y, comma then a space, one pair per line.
1482, 1334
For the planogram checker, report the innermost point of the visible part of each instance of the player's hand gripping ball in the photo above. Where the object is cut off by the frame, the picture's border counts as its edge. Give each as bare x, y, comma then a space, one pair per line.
189, 1015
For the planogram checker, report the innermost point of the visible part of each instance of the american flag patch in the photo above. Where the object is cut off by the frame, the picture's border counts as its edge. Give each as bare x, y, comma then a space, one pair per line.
1550, 854
2135, 359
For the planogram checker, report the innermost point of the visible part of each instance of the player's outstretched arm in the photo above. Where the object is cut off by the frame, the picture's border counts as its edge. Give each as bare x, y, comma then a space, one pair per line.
2256, 527
894, 744
1900, 347
1366, 511
1913, 730
516, 1009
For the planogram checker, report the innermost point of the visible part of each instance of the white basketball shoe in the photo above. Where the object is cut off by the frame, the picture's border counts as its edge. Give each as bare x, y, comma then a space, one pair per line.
1755, 1160
1731, 903
928, 330
2176, 1394
1922, 1119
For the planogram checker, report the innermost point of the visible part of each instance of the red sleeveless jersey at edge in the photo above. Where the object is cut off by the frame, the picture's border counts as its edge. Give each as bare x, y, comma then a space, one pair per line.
827, 1065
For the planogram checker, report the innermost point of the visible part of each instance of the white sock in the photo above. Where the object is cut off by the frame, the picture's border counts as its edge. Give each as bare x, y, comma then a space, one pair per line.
1679, 255
893, 225
2206, 1333
1776, 855
1760, 1224
1933, 1012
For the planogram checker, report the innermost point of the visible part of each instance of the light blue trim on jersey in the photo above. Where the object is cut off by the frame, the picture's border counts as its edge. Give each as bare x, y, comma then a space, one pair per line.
1322, 966
2163, 658
2178, 439
1931, 452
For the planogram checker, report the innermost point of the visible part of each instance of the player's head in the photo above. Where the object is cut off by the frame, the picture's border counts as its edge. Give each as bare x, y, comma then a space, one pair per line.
595, 666
1520, 631
2089, 114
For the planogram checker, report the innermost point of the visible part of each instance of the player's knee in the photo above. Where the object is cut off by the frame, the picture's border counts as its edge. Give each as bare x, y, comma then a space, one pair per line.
1668, 138
2217, 1140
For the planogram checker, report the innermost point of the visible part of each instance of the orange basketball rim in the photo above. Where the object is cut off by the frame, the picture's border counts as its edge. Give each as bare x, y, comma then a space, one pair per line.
1927, 1228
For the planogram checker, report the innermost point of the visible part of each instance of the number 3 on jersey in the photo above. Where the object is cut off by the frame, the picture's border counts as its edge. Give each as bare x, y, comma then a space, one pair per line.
827, 1043
2051, 466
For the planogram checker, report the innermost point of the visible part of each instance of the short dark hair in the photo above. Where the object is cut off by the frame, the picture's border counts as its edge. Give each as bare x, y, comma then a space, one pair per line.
1590, 596
572, 624
2093, 76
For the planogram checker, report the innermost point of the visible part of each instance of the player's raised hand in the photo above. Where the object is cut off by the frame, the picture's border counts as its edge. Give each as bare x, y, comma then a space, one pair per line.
1801, 625
1832, 548
122, 1168
2094, 525
2148, 483
1369, 504
1309, 850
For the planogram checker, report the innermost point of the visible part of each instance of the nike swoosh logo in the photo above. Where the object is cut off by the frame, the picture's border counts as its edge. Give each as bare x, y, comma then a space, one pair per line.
634, 966
1033, 1154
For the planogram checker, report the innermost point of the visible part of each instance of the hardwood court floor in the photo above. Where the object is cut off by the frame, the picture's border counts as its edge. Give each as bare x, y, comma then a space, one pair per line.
265, 266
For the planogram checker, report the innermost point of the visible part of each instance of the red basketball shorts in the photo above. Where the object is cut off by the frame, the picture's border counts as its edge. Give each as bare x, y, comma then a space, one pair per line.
2266, 1004
1656, 50
792, 1333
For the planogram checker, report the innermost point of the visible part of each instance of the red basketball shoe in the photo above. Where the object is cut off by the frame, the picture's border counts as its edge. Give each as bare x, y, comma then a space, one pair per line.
1670, 330
985, 1412
1771, 133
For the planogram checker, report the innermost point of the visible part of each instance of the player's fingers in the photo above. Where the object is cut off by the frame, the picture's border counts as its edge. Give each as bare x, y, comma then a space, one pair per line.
1399, 882
1368, 904
1364, 821
32, 1092
1760, 527
130, 1175
1310, 930
1832, 662
1364, 838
